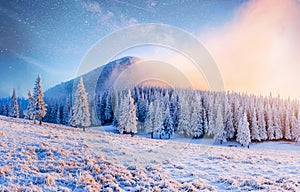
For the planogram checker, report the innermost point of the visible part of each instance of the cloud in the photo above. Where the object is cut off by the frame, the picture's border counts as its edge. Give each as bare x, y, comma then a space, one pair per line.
259, 50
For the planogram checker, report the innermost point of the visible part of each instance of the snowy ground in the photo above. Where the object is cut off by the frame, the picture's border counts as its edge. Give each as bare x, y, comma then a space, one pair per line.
53, 157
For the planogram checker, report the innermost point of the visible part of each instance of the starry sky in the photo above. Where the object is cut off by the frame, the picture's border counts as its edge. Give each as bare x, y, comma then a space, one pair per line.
255, 43
50, 38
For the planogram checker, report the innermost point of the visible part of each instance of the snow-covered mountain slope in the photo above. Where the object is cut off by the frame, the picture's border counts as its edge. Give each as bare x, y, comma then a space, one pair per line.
53, 157
95, 81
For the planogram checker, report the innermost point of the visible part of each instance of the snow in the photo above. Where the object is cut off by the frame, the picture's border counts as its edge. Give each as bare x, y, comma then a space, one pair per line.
60, 158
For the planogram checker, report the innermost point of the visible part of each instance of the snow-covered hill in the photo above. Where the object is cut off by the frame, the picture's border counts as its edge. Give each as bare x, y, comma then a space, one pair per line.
53, 157
95, 81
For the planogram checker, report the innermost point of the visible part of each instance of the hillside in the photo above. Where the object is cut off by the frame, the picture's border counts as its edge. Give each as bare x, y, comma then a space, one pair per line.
95, 81
54, 157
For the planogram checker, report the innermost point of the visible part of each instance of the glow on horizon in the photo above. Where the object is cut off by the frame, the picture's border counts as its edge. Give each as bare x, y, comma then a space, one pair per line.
259, 50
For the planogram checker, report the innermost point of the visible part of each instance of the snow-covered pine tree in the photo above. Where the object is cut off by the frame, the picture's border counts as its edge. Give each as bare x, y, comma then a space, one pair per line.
108, 113
14, 106
132, 120
294, 124
210, 118
168, 123
194, 120
204, 119
184, 120
270, 123
220, 132
159, 115
67, 111
30, 107
287, 126
127, 119
150, 121
228, 118
80, 110
175, 109
277, 123
142, 109
254, 127
296, 130
103, 102
243, 135
261, 122
38, 100
122, 111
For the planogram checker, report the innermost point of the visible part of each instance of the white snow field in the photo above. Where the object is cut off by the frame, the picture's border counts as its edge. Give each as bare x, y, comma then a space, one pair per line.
59, 158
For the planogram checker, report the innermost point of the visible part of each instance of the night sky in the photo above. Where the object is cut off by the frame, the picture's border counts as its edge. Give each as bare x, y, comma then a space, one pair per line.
50, 38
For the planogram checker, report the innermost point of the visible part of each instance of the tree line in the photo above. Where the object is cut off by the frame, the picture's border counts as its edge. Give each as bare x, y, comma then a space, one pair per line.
161, 112
192, 113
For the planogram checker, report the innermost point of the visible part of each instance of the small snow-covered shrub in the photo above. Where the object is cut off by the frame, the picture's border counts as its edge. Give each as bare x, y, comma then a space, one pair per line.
2, 144
49, 180
5, 170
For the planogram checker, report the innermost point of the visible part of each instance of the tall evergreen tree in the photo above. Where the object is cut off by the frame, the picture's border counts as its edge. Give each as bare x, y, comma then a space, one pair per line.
220, 132
243, 135
127, 119
14, 106
277, 124
287, 127
270, 123
159, 115
184, 120
168, 122
67, 111
254, 127
38, 100
80, 110
228, 119
150, 122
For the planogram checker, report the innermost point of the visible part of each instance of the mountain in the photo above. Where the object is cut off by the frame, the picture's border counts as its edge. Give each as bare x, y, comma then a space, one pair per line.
95, 81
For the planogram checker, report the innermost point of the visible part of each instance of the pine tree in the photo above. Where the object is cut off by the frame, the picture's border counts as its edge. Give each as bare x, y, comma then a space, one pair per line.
211, 119
38, 100
220, 133
195, 126
168, 123
108, 113
80, 110
287, 127
296, 130
228, 114
150, 122
205, 121
294, 124
243, 135
67, 111
132, 120
29, 111
261, 123
158, 123
254, 127
175, 110
14, 106
277, 126
142, 110
183, 126
270, 123
127, 119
